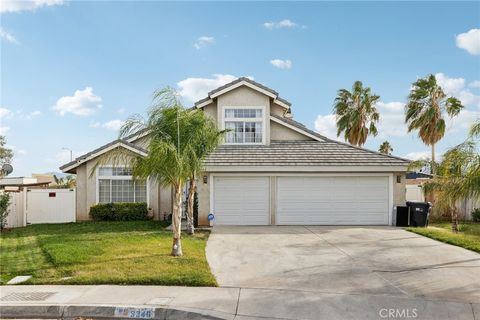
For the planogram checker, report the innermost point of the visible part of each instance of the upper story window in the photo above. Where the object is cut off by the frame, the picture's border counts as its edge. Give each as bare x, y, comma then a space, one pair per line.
245, 124
115, 184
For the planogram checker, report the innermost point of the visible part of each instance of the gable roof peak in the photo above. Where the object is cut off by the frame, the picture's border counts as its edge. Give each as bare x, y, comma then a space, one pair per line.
240, 82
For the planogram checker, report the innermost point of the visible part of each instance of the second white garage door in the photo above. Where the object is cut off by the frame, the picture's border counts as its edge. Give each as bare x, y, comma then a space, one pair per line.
332, 200
241, 200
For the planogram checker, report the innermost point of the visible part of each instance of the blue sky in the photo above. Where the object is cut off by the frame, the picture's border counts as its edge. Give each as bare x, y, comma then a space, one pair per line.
72, 71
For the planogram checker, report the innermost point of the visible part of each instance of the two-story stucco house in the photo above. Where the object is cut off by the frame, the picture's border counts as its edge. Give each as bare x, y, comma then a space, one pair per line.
271, 170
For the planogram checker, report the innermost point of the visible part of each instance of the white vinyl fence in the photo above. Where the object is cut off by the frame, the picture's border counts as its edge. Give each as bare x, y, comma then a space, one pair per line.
414, 193
50, 205
41, 206
16, 217
466, 207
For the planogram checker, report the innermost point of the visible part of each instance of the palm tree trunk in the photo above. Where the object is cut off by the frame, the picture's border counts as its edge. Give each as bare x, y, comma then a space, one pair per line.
454, 219
432, 169
177, 221
430, 197
191, 195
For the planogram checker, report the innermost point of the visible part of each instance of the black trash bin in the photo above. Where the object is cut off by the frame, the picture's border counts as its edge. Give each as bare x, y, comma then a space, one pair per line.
402, 216
418, 212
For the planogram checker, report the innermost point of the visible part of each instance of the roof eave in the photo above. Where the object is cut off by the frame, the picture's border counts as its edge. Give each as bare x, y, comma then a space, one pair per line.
243, 81
71, 166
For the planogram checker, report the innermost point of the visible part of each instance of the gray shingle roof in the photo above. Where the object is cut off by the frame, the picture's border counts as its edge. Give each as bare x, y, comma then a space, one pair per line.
240, 80
300, 153
298, 125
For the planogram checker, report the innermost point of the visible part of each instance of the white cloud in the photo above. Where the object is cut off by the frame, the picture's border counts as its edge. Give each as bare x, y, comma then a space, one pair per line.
450, 85
194, 89
326, 125
281, 64
20, 114
285, 23
8, 36
469, 41
22, 5
462, 122
62, 157
121, 110
5, 114
456, 87
32, 114
114, 125
474, 84
82, 103
17, 152
419, 155
94, 124
392, 119
4, 130
203, 42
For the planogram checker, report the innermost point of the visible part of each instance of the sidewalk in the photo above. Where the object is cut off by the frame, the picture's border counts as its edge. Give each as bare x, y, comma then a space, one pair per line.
158, 302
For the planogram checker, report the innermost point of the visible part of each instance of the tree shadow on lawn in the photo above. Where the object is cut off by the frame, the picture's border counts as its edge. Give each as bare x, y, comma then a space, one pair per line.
97, 227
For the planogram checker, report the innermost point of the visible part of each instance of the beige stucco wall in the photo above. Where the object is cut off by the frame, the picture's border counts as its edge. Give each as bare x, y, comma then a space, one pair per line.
164, 202
86, 193
211, 111
279, 132
203, 191
81, 193
245, 97
399, 189
276, 109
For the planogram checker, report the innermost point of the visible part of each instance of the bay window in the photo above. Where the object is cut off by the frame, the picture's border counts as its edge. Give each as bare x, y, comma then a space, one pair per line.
245, 125
115, 184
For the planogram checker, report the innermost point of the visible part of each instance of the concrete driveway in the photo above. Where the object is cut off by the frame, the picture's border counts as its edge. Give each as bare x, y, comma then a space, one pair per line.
373, 261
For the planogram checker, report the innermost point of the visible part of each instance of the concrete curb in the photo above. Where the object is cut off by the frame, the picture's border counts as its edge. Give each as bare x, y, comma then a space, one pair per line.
69, 312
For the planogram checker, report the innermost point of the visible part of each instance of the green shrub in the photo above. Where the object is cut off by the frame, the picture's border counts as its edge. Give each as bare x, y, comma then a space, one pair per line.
4, 203
476, 215
127, 211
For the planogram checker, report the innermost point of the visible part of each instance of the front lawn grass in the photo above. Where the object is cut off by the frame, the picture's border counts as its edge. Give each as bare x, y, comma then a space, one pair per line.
136, 252
468, 236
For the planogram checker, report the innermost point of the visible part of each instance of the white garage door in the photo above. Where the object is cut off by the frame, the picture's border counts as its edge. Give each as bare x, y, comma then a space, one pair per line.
241, 200
332, 200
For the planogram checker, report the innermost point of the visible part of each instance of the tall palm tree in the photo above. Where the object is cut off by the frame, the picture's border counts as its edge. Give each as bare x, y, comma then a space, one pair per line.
425, 109
205, 139
356, 113
385, 148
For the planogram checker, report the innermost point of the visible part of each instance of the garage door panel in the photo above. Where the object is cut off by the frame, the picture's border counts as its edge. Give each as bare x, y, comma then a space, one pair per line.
332, 200
241, 200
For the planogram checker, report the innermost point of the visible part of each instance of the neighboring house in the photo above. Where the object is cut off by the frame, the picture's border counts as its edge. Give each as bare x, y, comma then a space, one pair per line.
270, 170
45, 177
